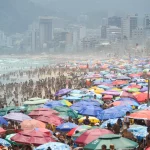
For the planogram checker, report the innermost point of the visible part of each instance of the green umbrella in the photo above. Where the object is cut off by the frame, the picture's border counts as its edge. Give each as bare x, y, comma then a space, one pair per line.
8, 138
73, 114
6, 110
134, 90
108, 139
62, 108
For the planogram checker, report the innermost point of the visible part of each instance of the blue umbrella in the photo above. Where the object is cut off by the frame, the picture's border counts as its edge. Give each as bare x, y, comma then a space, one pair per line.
114, 112
140, 132
72, 98
130, 100
3, 121
90, 111
54, 146
53, 104
111, 121
65, 127
143, 106
4, 143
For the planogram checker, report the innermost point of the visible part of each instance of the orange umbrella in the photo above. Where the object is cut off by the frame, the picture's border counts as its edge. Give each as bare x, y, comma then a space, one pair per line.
31, 124
143, 114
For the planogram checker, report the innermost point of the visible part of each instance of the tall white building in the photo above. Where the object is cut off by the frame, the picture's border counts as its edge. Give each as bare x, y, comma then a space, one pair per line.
45, 31
128, 24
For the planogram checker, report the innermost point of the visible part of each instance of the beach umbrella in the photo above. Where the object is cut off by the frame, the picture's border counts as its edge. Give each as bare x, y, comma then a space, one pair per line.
140, 132
54, 146
53, 104
90, 135
65, 103
142, 114
143, 106
6, 110
52, 119
108, 139
2, 131
125, 102
73, 114
42, 112
31, 124
107, 97
111, 121
80, 128
119, 82
90, 111
141, 97
133, 90
32, 137
114, 112
4, 143
3, 121
8, 138
115, 93
17, 117
144, 89
73, 98
92, 119
62, 92
126, 94
65, 127
61, 109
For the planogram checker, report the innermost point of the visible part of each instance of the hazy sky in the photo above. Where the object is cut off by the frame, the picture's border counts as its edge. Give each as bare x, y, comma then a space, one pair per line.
131, 6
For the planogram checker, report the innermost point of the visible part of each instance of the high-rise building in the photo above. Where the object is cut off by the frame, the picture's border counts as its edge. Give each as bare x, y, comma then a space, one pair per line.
104, 32
45, 31
104, 21
114, 21
146, 21
128, 24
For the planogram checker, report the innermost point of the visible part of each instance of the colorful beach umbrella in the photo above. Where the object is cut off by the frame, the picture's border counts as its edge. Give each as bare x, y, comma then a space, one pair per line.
53, 146
17, 117
4, 143
65, 127
32, 137
109, 139
90, 135
31, 124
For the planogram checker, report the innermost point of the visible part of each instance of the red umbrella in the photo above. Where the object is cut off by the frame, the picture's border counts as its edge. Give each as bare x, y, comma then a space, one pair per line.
42, 112
107, 97
142, 97
143, 114
2, 131
52, 119
32, 137
135, 75
91, 135
119, 82
134, 86
126, 94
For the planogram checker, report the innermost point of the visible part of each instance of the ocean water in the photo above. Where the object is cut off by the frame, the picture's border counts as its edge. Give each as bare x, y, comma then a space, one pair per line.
10, 64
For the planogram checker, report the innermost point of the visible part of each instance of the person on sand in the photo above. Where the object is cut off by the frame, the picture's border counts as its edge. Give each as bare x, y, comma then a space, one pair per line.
117, 126
87, 121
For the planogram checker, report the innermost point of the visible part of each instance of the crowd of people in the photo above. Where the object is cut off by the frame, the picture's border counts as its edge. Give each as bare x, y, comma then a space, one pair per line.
44, 82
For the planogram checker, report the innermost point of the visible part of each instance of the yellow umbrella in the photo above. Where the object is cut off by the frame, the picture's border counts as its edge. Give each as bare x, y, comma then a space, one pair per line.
116, 89
92, 120
66, 103
99, 91
93, 88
